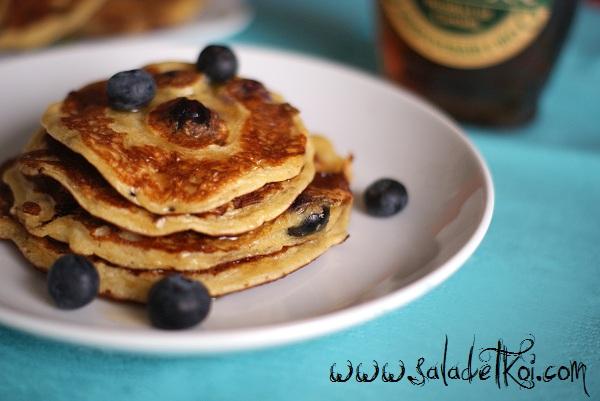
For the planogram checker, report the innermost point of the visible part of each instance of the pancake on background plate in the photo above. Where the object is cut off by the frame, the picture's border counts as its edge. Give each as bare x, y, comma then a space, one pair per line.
3, 7
151, 158
134, 16
35, 23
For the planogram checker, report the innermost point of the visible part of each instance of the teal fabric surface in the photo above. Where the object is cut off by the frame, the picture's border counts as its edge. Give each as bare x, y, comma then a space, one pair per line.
536, 274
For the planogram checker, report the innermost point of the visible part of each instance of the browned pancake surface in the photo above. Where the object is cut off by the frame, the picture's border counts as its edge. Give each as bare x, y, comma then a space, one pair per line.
21, 13
269, 139
326, 190
90, 183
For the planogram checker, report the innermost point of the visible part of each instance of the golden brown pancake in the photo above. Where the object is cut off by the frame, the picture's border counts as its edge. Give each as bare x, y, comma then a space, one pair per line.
253, 138
34, 23
45, 156
65, 221
118, 282
3, 7
133, 285
134, 16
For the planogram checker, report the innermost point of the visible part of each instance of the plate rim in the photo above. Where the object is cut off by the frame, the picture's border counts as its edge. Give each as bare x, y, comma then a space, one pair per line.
231, 340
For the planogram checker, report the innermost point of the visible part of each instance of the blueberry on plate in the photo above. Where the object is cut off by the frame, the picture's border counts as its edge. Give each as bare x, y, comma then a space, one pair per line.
130, 90
218, 63
312, 223
176, 302
385, 197
73, 281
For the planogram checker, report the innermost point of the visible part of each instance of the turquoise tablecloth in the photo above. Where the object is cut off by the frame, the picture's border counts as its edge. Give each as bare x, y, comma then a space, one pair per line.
535, 275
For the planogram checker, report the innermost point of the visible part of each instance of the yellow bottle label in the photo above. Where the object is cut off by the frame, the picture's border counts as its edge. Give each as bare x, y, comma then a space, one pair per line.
468, 34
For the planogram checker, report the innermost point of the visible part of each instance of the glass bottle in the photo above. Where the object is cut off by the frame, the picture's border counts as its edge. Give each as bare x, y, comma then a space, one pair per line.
483, 61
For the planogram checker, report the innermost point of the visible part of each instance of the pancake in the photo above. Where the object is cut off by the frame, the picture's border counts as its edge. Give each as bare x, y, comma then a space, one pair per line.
34, 23
92, 192
134, 16
3, 7
253, 138
133, 285
328, 194
122, 283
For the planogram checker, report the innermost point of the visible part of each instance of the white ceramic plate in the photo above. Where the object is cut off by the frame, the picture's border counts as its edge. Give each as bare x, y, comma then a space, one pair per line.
384, 264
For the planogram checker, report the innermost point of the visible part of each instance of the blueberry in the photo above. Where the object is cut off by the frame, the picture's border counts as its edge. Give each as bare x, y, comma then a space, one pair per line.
385, 197
218, 63
72, 281
176, 302
312, 223
183, 110
130, 90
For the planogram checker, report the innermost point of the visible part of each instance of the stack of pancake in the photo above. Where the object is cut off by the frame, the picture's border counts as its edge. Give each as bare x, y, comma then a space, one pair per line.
34, 23
241, 198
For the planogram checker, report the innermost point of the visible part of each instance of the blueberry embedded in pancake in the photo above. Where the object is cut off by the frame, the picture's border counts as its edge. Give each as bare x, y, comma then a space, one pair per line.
312, 223
188, 123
